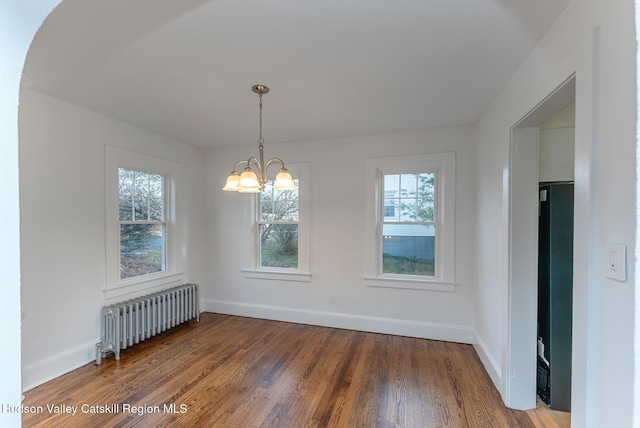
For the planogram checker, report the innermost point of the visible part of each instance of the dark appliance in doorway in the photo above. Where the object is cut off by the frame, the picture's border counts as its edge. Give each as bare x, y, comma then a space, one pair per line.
555, 294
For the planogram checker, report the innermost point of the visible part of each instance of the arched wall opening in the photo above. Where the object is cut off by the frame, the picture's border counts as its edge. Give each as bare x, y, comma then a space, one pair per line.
19, 22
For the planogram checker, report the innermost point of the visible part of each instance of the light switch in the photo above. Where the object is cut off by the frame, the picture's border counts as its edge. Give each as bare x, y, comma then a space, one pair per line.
616, 256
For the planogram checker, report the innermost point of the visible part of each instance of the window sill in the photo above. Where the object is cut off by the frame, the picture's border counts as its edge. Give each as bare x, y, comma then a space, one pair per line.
279, 275
408, 283
148, 283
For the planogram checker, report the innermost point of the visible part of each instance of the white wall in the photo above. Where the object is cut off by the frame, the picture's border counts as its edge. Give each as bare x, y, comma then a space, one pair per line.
62, 199
593, 38
338, 191
19, 21
557, 146
596, 40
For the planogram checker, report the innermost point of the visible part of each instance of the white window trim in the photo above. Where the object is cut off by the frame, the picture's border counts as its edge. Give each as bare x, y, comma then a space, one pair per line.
115, 158
280, 275
444, 164
303, 272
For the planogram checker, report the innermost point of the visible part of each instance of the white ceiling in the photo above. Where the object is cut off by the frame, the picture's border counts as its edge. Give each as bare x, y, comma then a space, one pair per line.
336, 68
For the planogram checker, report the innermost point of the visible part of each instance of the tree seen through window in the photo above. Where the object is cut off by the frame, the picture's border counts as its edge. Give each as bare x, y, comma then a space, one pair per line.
279, 215
142, 223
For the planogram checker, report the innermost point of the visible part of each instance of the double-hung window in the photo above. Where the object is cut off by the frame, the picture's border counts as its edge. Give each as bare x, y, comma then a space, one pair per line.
409, 226
281, 230
278, 219
141, 230
142, 223
410, 221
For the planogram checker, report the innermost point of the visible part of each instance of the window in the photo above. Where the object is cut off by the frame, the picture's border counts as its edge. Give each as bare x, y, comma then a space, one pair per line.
141, 239
409, 233
410, 222
281, 231
143, 229
278, 227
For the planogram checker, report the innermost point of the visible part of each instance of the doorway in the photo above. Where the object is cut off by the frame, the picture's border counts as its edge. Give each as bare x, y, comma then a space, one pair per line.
555, 293
521, 371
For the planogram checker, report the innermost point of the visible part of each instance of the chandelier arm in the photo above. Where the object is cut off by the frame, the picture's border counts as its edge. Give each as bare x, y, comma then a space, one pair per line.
272, 161
253, 161
235, 167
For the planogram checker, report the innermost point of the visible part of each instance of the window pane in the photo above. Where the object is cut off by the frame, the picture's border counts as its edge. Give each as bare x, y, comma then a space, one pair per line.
142, 249
392, 185
408, 210
279, 245
408, 186
280, 210
125, 206
408, 249
155, 186
266, 202
155, 209
426, 182
286, 210
426, 197
390, 211
141, 183
141, 208
125, 181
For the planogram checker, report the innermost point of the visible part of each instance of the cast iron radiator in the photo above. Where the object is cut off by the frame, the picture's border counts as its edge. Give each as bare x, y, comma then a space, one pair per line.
126, 323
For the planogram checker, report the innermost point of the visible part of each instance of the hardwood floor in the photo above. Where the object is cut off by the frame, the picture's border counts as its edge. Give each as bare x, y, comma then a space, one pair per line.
544, 417
231, 371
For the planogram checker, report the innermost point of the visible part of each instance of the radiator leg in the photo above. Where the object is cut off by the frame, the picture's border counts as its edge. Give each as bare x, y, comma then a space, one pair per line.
197, 301
98, 353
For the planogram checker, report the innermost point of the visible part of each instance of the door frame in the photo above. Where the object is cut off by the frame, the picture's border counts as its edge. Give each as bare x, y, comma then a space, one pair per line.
520, 371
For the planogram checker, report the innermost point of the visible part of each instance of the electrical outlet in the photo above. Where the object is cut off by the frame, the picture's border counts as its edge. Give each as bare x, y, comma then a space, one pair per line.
332, 298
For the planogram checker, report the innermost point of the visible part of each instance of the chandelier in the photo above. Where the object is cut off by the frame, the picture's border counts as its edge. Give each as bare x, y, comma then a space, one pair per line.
254, 175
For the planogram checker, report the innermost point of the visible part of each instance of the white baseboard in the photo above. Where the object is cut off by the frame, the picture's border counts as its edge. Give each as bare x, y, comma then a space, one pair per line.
425, 330
57, 365
490, 364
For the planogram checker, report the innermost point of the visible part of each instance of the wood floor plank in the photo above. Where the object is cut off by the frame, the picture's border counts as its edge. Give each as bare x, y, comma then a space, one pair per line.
229, 371
545, 417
